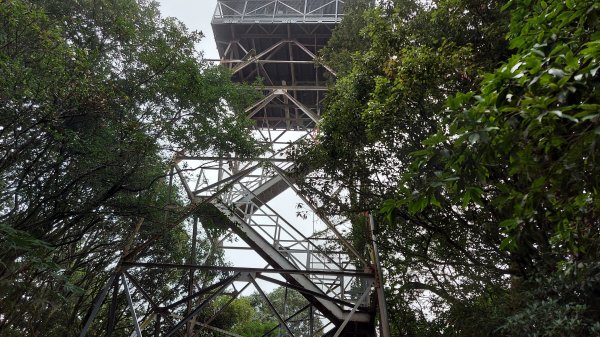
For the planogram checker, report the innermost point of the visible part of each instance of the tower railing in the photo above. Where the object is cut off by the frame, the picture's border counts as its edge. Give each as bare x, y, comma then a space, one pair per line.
273, 11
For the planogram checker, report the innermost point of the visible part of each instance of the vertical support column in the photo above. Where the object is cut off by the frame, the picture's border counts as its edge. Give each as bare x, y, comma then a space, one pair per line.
157, 325
382, 304
311, 318
192, 260
112, 311
97, 304
134, 318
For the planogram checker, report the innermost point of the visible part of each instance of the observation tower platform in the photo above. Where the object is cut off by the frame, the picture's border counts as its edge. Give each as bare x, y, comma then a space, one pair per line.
278, 42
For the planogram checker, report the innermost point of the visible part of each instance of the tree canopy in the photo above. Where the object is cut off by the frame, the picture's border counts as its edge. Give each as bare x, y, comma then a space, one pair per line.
470, 129
96, 98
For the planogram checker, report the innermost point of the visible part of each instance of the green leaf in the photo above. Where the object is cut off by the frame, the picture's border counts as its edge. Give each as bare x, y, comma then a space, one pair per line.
569, 4
508, 244
556, 72
538, 183
387, 209
538, 52
466, 199
509, 224
563, 115
433, 201
474, 138
418, 205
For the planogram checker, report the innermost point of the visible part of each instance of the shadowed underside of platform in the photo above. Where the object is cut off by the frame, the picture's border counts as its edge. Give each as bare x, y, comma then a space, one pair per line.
278, 42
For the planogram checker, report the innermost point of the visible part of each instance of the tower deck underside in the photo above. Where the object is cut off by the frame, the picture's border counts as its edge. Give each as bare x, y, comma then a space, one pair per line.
283, 57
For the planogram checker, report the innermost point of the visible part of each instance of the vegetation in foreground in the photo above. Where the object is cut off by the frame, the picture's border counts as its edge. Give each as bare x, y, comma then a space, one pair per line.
469, 127
472, 129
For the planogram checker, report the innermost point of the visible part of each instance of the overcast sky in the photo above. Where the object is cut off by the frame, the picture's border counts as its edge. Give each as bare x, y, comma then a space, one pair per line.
196, 14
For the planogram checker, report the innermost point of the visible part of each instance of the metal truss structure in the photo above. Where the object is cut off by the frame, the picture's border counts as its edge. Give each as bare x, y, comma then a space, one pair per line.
278, 11
276, 41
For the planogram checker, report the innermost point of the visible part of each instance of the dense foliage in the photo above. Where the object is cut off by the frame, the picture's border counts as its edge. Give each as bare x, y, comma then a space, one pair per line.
289, 303
487, 184
469, 128
95, 99
251, 316
523, 149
